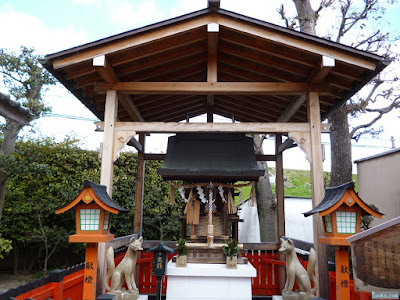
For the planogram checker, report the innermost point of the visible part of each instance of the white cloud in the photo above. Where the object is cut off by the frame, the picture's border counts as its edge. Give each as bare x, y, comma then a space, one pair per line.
131, 15
86, 2
23, 29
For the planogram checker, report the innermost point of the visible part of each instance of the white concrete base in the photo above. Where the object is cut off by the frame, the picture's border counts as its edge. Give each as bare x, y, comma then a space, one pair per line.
275, 297
209, 281
123, 295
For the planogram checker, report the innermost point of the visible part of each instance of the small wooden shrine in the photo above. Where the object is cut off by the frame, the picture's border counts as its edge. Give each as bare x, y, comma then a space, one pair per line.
209, 165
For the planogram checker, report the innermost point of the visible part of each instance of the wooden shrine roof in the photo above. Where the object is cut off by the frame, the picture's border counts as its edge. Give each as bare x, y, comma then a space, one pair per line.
185, 49
210, 157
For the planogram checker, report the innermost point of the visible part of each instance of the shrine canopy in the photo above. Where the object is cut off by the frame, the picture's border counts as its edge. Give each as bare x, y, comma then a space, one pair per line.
217, 62
210, 157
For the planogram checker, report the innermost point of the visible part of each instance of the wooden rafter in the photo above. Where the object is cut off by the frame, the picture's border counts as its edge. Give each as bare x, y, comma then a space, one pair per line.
322, 70
204, 88
262, 59
108, 74
133, 41
295, 42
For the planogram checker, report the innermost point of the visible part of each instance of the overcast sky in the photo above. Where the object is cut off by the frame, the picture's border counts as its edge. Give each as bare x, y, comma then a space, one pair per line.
51, 26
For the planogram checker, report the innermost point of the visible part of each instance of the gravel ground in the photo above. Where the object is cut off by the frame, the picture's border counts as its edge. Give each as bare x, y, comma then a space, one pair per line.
9, 281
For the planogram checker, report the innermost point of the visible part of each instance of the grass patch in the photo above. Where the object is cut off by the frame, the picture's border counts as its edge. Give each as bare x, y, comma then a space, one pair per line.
297, 183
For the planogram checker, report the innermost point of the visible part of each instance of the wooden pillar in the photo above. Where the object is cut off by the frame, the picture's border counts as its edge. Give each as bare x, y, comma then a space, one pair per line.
280, 197
106, 177
213, 30
138, 225
317, 190
342, 273
89, 277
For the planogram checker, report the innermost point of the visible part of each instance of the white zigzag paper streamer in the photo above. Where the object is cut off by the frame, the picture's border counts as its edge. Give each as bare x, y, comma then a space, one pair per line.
201, 194
182, 192
221, 193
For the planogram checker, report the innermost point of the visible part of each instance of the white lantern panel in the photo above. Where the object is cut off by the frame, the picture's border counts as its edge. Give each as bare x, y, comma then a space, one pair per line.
90, 219
346, 221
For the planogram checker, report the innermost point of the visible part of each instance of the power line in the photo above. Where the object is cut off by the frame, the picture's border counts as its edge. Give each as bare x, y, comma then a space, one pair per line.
71, 117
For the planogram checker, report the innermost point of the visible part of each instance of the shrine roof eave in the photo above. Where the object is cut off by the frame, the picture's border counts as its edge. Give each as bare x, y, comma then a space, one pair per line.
190, 28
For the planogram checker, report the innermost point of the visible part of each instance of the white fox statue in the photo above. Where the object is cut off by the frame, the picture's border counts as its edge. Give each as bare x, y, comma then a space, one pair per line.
125, 270
296, 272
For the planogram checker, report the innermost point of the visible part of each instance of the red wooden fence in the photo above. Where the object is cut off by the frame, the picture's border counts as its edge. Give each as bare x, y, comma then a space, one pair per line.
68, 284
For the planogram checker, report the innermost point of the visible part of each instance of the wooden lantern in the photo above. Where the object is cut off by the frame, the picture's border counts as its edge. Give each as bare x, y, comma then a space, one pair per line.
341, 211
93, 209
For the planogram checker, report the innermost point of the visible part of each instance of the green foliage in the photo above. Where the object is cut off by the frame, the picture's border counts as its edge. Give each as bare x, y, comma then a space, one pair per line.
25, 78
232, 249
33, 195
367, 219
160, 218
5, 247
50, 174
182, 248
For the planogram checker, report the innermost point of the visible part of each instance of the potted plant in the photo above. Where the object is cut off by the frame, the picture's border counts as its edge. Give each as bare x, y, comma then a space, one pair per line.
231, 251
181, 260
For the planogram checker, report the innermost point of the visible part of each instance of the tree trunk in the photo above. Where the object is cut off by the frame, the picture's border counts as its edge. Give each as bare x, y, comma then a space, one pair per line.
340, 148
16, 258
10, 131
306, 15
266, 207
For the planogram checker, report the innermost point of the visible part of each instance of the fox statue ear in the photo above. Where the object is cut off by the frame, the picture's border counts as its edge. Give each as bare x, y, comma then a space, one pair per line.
290, 241
141, 239
282, 240
132, 239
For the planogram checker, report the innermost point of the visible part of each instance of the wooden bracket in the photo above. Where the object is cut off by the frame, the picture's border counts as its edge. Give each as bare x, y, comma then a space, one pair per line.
121, 138
302, 139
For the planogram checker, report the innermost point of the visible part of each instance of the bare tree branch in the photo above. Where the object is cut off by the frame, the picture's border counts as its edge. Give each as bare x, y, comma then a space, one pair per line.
289, 22
381, 111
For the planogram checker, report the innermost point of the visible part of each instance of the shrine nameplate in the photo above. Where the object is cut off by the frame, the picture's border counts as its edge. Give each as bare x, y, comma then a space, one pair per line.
376, 260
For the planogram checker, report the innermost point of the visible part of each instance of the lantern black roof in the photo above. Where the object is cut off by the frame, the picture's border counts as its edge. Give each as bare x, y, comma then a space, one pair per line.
210, 157
161, 246
101, 193
332, 196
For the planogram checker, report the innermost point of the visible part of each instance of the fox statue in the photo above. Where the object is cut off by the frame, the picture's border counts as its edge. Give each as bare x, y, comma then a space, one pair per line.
125, 271
296, 272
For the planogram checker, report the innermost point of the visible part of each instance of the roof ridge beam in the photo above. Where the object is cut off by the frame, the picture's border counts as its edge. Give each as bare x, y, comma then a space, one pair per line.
214, 5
